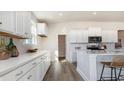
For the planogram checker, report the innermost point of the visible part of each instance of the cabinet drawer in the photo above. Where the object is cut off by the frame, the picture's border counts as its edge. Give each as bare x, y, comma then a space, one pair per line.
30, 76
18, 73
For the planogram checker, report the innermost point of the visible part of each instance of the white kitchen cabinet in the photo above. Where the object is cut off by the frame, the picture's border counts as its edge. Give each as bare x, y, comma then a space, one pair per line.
109, 36
19, 72
7, 21
16, 23
92, 31
78, 36
73, 57
85, 36
30, 76
33, 70
19, 23
73, 36
27, 24
73, 54
23, 24
42, 29
40, 71
46, 64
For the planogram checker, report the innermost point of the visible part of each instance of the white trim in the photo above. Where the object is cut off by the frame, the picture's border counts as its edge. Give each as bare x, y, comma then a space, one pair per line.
82, 75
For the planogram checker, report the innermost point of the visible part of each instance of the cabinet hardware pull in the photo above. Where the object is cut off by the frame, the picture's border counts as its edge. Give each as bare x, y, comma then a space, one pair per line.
34, 63
26, 33
19, 73
0, 22
29, 76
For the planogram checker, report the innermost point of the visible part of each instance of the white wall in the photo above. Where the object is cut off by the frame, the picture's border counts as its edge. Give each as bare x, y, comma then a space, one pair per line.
51, 42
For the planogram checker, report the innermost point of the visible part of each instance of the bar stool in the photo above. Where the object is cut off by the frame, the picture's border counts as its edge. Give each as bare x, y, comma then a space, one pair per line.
117, 62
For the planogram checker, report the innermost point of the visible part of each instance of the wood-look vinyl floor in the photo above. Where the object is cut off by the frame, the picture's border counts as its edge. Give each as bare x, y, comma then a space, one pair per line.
62, 71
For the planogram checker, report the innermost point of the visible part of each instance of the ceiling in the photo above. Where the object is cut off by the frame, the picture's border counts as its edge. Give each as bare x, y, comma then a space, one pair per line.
69, 16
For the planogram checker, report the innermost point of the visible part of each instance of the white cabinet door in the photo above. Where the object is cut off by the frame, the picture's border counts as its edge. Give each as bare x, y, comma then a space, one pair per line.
23, 24
109, 36
79, 36
43, 66
73, 57
7, 21
19, 23
92, 31
27, 24
30, 76
40, 71
85, 36
72, 36
114, 36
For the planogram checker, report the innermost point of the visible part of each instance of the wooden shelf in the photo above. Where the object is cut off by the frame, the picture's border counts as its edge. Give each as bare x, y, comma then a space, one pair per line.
11, 35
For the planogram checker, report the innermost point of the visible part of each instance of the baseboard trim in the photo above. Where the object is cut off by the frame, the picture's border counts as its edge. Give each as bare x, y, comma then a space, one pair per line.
82, 75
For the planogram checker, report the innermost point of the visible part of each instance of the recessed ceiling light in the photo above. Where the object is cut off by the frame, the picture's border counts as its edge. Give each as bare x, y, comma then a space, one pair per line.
60, 14
94, 13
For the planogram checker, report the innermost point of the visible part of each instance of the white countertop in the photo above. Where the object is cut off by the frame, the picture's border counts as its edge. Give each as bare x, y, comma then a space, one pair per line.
15, 62
102, 52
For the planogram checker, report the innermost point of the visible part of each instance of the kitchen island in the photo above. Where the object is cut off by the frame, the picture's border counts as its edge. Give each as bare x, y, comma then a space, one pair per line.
89, 66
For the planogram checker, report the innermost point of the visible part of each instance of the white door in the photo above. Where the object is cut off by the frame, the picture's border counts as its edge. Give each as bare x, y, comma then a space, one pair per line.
7, 21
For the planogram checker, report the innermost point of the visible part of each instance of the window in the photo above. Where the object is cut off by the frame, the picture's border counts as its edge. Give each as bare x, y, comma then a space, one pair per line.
33, 40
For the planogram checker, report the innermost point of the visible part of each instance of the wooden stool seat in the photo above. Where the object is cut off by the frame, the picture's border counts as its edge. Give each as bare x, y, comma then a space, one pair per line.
106, 63
117, 62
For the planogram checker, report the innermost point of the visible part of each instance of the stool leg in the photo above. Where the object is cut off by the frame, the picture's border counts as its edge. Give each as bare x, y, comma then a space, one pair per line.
119, 74
115, 74
102, 72
111, 74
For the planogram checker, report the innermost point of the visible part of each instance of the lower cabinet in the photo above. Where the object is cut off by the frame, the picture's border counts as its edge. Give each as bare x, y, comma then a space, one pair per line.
32, 71
43, 66
40, 71
30, 76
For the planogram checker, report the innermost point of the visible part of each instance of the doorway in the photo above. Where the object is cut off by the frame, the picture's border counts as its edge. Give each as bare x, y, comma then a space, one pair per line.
62, 47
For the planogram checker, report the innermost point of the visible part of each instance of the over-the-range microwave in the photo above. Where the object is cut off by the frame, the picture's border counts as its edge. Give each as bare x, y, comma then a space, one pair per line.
94, 39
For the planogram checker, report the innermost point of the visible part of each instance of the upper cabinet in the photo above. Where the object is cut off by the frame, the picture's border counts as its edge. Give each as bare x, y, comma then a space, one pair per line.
27, 24
7, 21
78, 36
42, 29
23, 24
16, 23
94, 31
73, 36
109, 36
81, 36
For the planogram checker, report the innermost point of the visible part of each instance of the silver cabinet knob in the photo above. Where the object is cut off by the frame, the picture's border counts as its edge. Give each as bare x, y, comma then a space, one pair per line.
34, 63
26, 33
29, 76
0, 22
18, 74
